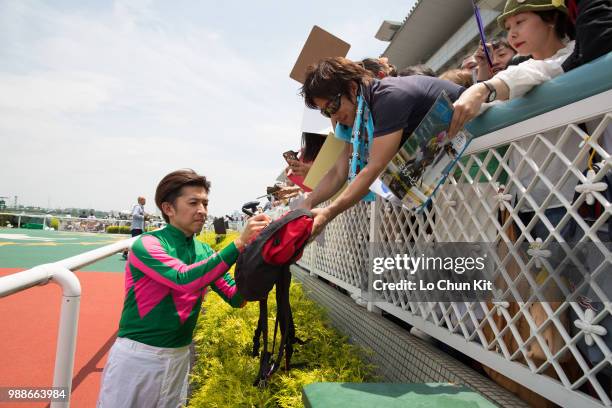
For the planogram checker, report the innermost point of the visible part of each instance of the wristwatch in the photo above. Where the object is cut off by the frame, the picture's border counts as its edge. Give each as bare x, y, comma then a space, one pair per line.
492, 92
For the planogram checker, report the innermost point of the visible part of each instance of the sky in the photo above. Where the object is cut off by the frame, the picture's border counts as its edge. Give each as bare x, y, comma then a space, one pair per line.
100, 99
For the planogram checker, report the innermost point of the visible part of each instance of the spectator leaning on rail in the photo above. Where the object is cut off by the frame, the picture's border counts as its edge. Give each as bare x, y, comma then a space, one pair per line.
391, 108
379, 67
458, 76
535, 27
417, 70
167, 275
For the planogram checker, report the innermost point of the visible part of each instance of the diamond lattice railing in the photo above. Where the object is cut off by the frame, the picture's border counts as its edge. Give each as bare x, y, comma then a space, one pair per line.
532, 192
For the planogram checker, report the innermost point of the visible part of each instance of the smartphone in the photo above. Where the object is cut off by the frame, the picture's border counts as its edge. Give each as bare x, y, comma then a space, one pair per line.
290, 155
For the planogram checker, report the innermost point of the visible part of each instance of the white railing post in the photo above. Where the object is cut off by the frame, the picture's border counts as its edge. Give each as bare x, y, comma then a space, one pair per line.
61, 273
69, 317
67, 332
374, 226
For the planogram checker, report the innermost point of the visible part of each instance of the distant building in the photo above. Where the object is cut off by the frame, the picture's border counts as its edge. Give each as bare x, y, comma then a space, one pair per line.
438, 33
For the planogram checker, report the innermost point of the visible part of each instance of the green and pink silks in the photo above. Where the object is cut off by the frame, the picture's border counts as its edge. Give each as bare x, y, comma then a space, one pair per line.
166, 276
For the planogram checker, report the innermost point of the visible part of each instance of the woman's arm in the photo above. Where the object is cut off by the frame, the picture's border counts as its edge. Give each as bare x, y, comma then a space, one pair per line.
509, 84
469, 103
523, 77
298, 167
383, 149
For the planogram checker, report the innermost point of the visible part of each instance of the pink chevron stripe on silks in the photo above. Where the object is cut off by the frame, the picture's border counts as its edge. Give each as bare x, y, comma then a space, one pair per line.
157, 252
192, 286
129, 280
184, 303
225, 288
148, 294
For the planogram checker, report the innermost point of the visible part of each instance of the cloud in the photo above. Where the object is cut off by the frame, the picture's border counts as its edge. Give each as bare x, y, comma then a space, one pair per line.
120, 99
60, 92
100, 100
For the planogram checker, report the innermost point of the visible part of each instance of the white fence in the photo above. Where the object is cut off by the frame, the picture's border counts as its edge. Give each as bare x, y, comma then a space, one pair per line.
61, 273
559, 350
70, 223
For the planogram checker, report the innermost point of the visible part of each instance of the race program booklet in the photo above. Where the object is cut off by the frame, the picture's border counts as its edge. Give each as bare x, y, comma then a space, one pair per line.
425, 159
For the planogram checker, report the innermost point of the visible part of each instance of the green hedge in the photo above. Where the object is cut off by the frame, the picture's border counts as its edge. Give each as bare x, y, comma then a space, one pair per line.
208, 237
114, 229
224, 371
217, 242
54, 223
4, 218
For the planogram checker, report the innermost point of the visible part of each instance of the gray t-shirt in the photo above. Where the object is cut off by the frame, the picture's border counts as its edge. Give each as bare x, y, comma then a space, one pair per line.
402, 102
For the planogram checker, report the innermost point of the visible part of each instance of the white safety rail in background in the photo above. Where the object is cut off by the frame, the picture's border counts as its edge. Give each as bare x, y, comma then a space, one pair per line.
61, 273
73, 224
560, 350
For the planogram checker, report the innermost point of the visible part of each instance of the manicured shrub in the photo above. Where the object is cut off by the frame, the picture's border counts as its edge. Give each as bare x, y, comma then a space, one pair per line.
224, 371
8, 219
54, 223
207, 237
115, 229
217, 242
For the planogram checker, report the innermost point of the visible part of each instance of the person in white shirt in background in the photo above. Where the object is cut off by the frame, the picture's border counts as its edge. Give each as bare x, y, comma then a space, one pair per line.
138, 221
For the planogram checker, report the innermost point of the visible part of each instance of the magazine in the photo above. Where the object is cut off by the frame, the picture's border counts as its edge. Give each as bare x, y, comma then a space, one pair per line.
425, 159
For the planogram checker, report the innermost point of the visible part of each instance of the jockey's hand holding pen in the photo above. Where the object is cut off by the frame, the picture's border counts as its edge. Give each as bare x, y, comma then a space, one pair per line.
252, 228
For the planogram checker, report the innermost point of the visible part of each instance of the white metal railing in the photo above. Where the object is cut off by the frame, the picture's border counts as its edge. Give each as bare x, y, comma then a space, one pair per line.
74, 224
559, 350
61, 273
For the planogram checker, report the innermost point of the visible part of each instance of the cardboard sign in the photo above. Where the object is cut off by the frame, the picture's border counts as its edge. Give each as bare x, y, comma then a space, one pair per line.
326, 159
320, 44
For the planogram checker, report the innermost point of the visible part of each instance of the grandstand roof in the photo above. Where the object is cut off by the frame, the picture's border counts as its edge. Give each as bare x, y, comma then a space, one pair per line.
427, 27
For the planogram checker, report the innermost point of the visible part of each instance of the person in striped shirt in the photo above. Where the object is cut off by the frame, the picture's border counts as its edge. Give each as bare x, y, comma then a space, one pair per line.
167, 274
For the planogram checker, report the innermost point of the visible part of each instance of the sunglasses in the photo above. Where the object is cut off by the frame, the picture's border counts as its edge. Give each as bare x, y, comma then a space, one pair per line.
332, 106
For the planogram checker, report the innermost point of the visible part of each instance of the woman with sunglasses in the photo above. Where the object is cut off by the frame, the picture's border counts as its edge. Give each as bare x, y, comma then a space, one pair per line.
373, 116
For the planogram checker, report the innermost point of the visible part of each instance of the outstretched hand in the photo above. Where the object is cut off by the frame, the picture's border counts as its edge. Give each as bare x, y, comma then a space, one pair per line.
467, 108
252, 228
321, 218
480, 56
298, 168
287, 192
